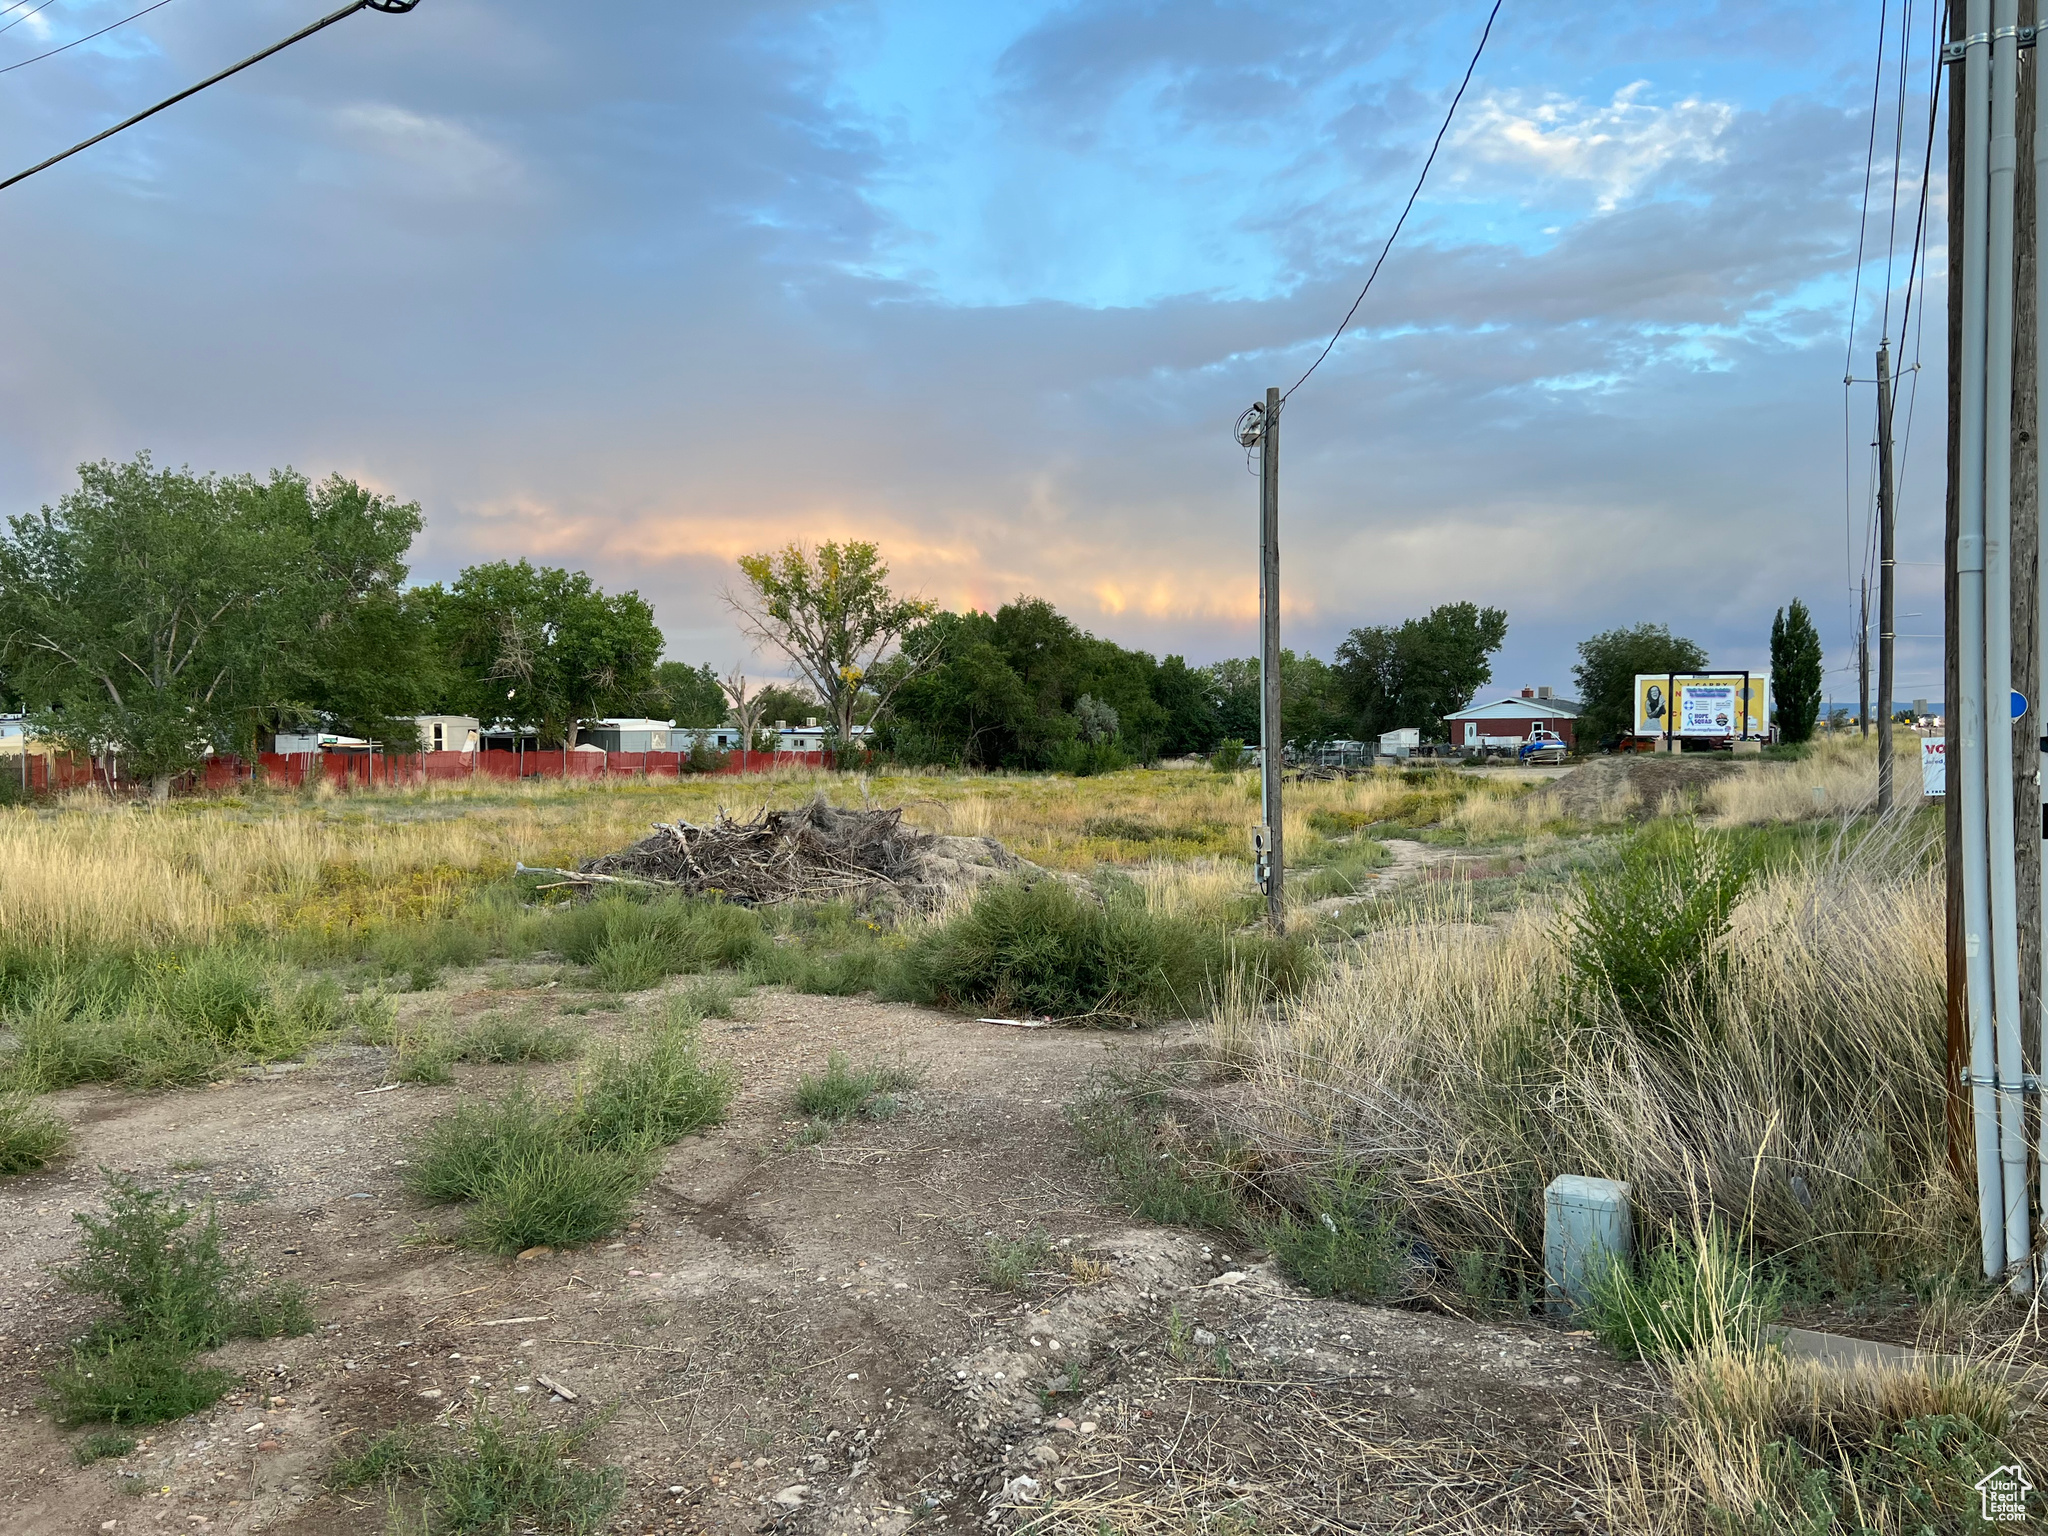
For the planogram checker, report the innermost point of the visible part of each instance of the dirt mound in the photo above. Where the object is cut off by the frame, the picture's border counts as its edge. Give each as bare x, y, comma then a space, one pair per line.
818, 852
1633, 785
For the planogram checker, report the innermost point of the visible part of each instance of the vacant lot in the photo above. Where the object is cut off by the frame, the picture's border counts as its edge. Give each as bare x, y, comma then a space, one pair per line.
642, 1215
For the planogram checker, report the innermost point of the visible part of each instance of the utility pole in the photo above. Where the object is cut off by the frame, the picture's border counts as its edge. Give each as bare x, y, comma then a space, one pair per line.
1886, 523
1260, 427
1272, 758
1863, 660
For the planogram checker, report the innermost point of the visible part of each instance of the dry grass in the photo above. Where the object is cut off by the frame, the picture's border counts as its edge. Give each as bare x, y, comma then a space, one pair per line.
94, 873
1838, 777
1805, 1105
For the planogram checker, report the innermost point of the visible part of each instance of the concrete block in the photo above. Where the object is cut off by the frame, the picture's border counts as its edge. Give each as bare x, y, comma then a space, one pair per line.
1586, 1225
1748, 748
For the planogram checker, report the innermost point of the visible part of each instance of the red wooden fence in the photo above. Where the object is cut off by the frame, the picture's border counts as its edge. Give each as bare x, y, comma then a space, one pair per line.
364, 770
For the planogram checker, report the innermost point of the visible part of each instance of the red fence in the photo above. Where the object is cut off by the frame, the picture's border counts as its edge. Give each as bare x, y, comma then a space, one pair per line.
363, 770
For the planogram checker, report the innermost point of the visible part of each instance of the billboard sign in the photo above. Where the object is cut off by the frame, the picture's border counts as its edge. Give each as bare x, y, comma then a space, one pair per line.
1933, 767
1703, 704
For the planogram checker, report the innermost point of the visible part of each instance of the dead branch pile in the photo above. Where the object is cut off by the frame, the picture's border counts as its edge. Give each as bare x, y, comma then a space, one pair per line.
814, 853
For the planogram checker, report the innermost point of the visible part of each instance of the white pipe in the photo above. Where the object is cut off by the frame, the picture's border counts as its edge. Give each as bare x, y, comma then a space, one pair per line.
1968, 770
2002, 162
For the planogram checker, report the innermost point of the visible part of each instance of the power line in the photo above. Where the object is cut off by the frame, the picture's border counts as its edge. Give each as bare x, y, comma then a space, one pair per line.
1407, 208
103, 31
24, 16
1855, 305
391, 7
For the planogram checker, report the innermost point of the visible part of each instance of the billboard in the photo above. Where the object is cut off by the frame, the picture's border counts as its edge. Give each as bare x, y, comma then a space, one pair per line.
1933, 767
1709, 704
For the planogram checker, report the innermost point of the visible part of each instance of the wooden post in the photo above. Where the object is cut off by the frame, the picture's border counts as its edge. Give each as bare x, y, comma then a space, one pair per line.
1273, 758
2026, 536
1887, 602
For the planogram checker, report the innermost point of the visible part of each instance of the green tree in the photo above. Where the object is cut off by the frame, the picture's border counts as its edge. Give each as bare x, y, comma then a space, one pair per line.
545, 646
1191, 726
1416, 672
830, 611
1606, 673
160, 614
689, 695
963, 704
1798, 671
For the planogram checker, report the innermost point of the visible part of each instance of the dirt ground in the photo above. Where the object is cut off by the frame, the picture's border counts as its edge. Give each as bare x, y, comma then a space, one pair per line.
788, 1337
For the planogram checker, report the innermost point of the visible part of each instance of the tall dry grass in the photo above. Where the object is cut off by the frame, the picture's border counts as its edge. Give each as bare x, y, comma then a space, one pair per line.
1838, 777
1799, 1092
92, 872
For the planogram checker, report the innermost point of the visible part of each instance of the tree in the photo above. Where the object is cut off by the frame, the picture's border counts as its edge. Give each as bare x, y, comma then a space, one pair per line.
745, 706
689, 695
1416, 672
160, 614
1798, 671
962, 704
1191, 723
1606, 673
546, 646
832, 614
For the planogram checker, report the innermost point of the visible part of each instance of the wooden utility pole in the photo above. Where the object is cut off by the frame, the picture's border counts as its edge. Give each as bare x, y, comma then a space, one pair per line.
1272, 754
1887, 522
2026, 466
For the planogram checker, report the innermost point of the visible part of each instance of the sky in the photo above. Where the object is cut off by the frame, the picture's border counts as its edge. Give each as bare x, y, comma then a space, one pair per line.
646, 285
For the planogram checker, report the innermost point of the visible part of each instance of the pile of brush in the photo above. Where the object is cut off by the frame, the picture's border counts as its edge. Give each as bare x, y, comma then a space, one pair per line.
813, 853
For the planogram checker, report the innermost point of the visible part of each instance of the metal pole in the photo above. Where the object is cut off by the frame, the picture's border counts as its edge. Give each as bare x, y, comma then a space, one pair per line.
1887, 521
1998, 586
1967, 774
1863, 660
1272, 746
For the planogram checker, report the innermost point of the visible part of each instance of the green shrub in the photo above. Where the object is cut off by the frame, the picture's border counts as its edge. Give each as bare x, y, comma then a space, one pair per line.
839, 1094
159, 1265
1007, 1264
132, 1381
504, 1038
277, 1312
102, 1445
1158, 1179
1229, 756
632, 944
1344, 1245
1046, 949
1692, 1289
30, 1136
654, 1096
510, 1475
1646, 928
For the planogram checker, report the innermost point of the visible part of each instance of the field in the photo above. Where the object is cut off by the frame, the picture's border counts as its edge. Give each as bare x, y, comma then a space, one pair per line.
418, 1196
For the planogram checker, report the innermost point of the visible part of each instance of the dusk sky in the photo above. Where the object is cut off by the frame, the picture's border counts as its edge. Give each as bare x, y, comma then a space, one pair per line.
641, 287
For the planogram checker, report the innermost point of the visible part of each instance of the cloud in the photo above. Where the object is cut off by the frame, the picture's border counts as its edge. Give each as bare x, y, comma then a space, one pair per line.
1615, 150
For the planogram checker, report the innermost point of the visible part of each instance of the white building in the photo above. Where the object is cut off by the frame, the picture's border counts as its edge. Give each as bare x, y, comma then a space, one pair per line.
1512, 722
448, 733
621, 734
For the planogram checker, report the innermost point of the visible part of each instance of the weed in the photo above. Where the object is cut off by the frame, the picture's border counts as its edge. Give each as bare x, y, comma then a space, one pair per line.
132, 1381
503, 1038
1161, 1181
510, 1474
424, 1053
1044, 949
654, 1096
1694, 1289
30, 1136
840, 1094
631, 944
1180, 1334
459, 1156
159, 1265
1008, 1264
1346, 1245
560, 1195
102, 1445
277, 1312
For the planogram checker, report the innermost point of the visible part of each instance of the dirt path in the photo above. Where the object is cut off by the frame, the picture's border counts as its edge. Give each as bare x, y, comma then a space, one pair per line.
791, 1337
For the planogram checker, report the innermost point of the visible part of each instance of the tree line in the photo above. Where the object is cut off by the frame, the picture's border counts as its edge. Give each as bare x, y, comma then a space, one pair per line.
163, 615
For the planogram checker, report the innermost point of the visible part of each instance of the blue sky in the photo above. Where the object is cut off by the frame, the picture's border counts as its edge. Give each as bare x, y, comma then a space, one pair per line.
643, 286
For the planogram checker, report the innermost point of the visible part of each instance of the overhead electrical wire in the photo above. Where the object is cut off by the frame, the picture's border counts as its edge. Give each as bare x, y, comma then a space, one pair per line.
1409, 206
1855, 307
392, 7
103, 31
24, 16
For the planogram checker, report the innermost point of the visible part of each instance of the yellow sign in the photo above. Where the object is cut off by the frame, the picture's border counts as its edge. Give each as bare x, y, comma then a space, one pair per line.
1703, 704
